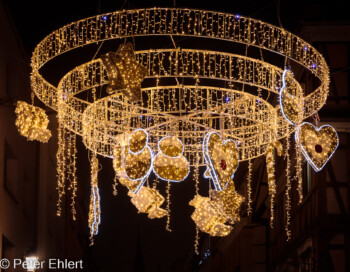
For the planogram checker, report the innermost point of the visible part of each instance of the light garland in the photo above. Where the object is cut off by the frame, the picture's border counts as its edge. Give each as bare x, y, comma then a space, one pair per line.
287, 191
95, 208
61, 170
196, 182
249, 188
270, 168
317, 144
167, 227
299, 171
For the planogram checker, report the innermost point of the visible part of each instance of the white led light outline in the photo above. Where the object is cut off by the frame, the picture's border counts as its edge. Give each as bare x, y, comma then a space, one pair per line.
209, 162
282, 89
161, 153
135, 153
183, 148
306, 156
206, 159
143, 178
94, 230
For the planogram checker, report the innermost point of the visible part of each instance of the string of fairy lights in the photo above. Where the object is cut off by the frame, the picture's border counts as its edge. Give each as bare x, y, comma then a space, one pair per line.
199, 109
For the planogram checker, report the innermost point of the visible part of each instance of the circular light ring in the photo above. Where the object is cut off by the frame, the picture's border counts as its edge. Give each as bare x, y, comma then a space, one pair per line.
181, 22
255, 132
171, 63
93, 74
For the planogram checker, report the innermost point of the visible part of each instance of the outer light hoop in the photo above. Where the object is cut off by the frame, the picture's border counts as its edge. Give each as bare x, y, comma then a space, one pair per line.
216, 182
284, 88
40, 57
37, 63
304, 151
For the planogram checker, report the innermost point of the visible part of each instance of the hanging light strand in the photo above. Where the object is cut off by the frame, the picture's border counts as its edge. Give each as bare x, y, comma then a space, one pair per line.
61, 177
196, 179
168, 207
95, 209
288, 188
74, 175
249, 189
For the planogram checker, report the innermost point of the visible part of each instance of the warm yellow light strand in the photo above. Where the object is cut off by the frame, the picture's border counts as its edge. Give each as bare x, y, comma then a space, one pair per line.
270, 168
196, 179
115, 183
60, 167
74, 177
249, 189
299, 171
168, 207
288, 188
95, 208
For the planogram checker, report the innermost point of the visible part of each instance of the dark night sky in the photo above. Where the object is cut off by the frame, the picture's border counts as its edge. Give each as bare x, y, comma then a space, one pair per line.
122, 229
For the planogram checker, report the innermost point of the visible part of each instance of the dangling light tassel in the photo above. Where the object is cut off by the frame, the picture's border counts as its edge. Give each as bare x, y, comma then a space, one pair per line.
299, 171
168, 208
196, 179
115, 183
95, 209
249, 188
73, 174
196, 241
270, 168
61, 167
288, 187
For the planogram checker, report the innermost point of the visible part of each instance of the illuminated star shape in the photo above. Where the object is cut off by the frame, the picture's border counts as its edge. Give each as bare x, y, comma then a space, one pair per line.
125, 74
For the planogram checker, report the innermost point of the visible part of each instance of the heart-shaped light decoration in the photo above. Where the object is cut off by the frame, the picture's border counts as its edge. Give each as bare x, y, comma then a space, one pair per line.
291, 98
317, 144
222, 159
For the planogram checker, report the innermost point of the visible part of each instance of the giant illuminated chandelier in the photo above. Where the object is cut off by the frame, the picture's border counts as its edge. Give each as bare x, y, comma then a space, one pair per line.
196, 107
